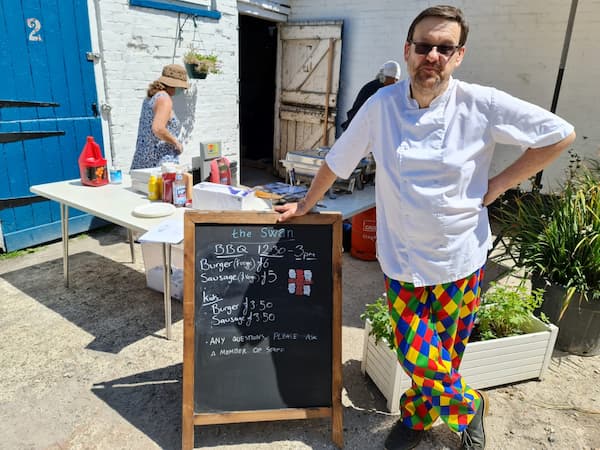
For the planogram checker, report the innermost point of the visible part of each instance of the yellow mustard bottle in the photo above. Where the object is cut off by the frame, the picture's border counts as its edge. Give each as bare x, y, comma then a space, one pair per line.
152, 188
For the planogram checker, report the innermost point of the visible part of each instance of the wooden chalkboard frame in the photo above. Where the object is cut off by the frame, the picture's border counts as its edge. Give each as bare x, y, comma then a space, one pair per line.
190, 418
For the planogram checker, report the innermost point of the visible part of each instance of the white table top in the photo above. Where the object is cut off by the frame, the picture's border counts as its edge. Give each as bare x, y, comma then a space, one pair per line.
115, 202
350, 204
112, 202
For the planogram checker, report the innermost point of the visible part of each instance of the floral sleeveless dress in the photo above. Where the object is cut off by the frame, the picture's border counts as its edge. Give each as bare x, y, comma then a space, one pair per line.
149, 149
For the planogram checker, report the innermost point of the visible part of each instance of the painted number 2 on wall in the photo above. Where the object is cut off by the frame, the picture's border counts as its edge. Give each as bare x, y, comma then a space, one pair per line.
36, 26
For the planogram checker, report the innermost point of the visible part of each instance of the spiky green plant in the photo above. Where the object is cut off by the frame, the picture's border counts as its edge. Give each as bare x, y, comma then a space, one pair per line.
558, 236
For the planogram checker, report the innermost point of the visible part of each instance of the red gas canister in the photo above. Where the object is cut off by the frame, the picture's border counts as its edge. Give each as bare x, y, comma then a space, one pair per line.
92, 166
364, 235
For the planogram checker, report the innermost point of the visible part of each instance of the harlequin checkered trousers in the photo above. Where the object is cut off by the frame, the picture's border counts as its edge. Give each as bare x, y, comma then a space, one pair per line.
432, 325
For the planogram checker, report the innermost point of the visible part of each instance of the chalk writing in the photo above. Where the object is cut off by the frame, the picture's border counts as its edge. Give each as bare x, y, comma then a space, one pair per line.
276, 233
263, 305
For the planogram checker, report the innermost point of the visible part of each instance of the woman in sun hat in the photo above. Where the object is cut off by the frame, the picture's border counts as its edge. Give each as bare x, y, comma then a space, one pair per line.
159, 128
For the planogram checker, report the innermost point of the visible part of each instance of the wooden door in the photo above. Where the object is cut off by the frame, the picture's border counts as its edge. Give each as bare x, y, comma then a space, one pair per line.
48, 105
308, 74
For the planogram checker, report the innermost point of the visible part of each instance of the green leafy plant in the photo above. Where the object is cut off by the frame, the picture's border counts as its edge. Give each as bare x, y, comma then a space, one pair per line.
17, 253
381, 327
202, 63
558, 236
507, 310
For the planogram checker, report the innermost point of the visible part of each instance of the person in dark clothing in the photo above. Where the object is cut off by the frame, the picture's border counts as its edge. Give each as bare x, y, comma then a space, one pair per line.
388, 74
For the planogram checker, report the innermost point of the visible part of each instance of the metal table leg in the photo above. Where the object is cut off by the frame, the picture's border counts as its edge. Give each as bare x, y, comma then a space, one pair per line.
130, 237
167, 286
64, 229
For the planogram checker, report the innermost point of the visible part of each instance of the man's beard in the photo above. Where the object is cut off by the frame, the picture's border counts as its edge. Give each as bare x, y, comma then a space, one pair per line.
430, 80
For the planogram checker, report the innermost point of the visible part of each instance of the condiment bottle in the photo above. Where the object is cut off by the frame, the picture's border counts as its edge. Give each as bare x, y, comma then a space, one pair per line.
116, 175
179, 190
224, 171
168, 178
189, 182
159, 181
167, 194
152, 188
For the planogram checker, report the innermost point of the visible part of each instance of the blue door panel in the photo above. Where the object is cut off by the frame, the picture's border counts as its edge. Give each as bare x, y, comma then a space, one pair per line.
56, 60
15, 163
68, 150
13, 30
43, 67
8, 180
87, 79
50, 231
4, 179
31, 163
72, 49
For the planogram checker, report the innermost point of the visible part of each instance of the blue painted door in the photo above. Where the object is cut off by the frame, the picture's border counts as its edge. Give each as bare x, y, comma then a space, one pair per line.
48, 105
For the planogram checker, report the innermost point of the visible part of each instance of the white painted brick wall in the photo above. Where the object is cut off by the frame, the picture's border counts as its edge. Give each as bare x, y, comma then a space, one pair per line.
513, 45
137, 43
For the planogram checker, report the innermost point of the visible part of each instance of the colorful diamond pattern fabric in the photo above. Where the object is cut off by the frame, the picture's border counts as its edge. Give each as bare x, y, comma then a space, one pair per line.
432, 325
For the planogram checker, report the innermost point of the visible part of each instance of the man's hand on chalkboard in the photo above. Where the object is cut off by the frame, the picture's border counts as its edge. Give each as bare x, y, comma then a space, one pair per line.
290, 210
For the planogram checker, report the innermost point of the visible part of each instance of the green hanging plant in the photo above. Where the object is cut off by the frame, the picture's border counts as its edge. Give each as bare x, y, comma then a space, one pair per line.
198, 64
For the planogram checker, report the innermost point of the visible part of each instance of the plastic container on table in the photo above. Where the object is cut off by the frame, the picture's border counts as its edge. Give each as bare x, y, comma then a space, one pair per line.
153, 190
92, 166
179, 190
167, 185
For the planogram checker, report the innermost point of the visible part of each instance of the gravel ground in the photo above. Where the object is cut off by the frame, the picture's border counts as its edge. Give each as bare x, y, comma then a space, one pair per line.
87, 367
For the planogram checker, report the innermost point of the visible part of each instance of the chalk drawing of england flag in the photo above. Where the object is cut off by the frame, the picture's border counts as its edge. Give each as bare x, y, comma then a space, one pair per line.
299, 281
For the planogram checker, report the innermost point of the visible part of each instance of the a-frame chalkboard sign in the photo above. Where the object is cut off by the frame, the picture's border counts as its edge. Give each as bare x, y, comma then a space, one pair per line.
262, 319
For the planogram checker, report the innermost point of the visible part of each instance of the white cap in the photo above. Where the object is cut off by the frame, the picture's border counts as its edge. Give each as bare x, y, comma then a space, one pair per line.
391, 69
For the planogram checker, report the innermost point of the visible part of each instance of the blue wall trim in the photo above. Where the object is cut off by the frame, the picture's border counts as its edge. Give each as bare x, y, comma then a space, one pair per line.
167, 6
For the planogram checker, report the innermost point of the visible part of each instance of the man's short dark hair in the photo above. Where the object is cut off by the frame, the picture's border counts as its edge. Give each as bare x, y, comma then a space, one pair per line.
447, 12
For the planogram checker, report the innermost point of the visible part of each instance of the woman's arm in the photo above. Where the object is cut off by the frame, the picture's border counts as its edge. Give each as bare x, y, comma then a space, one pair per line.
162, 113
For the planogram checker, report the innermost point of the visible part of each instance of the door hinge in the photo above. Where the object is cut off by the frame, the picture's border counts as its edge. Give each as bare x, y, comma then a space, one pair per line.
92, 56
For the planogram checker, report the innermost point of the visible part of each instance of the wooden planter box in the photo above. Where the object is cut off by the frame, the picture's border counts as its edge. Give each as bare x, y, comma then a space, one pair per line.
485, 363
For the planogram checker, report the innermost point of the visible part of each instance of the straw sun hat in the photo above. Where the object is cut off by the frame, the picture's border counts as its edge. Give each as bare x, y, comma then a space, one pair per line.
174, 75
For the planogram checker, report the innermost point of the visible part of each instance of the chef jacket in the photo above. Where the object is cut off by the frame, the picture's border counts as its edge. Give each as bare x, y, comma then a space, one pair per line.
432, 172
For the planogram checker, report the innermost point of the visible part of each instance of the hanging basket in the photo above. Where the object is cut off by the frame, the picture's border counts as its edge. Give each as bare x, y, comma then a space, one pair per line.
192, 71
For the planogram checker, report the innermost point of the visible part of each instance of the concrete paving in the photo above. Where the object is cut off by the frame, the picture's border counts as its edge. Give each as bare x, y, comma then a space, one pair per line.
88, 367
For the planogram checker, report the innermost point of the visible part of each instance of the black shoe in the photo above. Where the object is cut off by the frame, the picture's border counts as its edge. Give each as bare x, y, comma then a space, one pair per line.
403, 438
473, 438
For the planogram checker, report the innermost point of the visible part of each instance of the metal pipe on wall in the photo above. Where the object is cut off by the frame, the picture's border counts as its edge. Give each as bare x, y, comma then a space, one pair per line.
537, 184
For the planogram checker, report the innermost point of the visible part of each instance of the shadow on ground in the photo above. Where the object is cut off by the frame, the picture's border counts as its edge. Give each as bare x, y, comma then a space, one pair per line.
98, 298
151, 401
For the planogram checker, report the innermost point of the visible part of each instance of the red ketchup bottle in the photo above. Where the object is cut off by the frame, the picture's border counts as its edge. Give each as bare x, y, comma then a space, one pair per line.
168, 178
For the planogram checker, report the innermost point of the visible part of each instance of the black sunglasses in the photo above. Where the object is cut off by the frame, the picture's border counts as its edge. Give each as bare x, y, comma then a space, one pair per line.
423, 48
